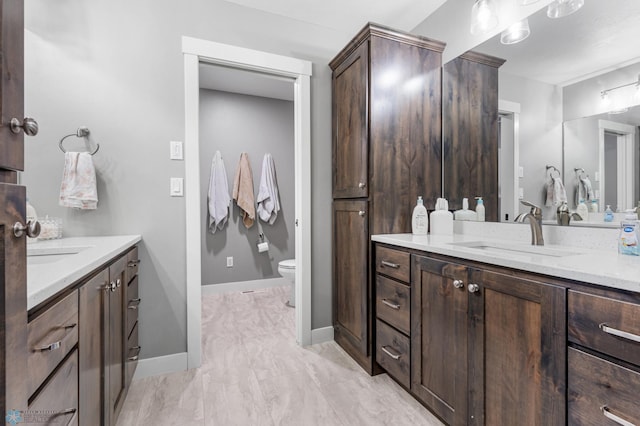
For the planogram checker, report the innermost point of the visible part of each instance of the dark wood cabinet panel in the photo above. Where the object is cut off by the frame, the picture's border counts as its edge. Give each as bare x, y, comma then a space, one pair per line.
351, 254
393, 303
516, 350
393, 353
115, 350
393, 263
439, 337
350, 125
470, 130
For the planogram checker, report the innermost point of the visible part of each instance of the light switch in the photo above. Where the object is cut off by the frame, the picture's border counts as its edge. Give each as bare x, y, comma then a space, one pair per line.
597, 176
177, 187
521, 193
176, 152
521, 171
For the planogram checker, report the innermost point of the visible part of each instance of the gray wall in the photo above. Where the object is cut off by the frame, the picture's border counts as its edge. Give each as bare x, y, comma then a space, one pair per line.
117, 67
581, 139
234, 123
540, 133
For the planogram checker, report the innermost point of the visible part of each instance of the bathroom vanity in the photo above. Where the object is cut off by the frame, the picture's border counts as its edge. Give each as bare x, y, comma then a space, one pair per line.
82, 333
486, 331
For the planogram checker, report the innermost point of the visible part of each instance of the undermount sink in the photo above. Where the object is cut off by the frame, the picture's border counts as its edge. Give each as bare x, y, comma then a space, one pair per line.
500, 248
41, 255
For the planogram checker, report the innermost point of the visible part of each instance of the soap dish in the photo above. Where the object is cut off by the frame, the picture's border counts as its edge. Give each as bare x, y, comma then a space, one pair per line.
50, 228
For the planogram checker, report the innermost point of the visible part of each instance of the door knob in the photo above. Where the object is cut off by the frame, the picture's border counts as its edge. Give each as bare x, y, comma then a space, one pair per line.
29, 126
473, 288
32, 229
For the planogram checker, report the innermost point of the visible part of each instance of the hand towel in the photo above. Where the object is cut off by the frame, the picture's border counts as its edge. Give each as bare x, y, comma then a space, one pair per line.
218, 196
556, 192
268, 200
585, 182
78, 188
243, 191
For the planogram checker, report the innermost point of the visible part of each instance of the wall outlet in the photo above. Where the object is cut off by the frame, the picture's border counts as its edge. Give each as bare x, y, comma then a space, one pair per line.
176, 152
230, 262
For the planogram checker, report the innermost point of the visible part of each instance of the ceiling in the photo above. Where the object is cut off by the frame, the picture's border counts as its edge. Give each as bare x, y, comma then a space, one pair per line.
598, 38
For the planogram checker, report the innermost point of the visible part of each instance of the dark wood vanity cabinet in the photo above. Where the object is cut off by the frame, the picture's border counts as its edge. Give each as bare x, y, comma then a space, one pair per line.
386, 114
470, 130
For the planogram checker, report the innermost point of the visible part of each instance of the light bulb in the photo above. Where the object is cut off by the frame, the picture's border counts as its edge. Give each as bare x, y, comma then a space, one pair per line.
484, 17
562, 8
516, 32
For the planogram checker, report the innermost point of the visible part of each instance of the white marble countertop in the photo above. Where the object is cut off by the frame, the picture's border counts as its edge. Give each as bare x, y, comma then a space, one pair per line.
606, 268
53, 265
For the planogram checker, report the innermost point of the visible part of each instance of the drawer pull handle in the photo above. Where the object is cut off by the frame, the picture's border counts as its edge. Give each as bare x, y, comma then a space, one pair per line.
391, 304
133, 263
390, 264
60, 413
391, 354
608, 414
55, 345
604, 327
133, 303
135, 357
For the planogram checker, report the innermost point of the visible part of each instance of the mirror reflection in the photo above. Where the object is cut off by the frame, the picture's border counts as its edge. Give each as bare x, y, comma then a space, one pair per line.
553, 83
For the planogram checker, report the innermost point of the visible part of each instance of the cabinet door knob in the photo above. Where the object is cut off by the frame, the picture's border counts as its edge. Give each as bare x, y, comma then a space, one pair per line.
362, 213
28, 125
133, 263
458, 283
473, 288
32, 229
361, 185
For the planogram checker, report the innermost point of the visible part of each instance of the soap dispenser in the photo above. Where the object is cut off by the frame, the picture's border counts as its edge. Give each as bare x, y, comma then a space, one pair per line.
608, 214
419, 220
479, 209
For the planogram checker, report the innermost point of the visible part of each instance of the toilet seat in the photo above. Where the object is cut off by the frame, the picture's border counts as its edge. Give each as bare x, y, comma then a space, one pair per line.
288, 264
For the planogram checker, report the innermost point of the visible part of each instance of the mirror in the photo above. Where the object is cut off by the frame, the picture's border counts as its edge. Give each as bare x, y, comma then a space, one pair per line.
555, 78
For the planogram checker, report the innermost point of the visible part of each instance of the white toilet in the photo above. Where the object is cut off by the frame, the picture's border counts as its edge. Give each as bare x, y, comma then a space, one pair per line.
287, 268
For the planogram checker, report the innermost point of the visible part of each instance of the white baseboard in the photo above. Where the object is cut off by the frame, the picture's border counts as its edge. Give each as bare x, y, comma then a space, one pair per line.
321, 335
243, 285
161, 365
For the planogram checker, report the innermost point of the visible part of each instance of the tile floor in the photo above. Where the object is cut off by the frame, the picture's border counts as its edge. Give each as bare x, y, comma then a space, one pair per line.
253, 373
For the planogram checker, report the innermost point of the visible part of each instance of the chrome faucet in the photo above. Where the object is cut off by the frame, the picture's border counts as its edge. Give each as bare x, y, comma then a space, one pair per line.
535, 220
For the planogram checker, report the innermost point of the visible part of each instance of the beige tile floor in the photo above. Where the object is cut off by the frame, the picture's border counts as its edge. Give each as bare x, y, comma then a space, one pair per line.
253, 373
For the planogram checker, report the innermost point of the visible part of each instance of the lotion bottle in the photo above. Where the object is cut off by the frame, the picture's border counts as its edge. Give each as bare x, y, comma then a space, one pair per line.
582, 210
479, 209
420, 219
629, 240
442, 219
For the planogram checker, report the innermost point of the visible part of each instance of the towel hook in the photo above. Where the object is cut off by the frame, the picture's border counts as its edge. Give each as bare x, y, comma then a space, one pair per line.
82, 132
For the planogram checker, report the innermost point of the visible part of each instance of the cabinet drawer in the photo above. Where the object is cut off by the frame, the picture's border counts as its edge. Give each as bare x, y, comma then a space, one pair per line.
606, 325
133, 352
57, 401
392, 352
132, 264
393, 303
51, 336
394, 263
133, 302
599, 389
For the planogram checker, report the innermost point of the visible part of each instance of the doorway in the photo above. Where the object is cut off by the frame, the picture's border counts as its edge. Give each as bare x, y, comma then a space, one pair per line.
196, 51
617, 154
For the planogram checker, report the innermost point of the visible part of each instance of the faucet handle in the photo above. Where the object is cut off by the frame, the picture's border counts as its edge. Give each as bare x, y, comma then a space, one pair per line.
535, 210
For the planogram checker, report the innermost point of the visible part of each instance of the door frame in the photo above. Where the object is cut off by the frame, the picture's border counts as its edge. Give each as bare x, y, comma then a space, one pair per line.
513, 109
626, 135
195, 51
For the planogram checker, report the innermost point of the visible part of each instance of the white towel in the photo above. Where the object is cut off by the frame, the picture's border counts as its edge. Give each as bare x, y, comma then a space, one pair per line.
556, 193
268, 200
218, 196
78, 188
584, 190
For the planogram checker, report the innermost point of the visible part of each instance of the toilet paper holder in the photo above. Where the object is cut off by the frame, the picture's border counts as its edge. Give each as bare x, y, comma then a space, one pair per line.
262, 244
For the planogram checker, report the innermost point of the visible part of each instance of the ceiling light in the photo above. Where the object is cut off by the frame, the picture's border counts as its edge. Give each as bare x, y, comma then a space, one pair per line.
527, 2
484, 17
516, 32
562, 8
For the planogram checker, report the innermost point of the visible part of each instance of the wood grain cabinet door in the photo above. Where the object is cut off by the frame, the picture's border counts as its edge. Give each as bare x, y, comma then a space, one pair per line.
116, 348
517, 351
439, 337
351, 255
350, 125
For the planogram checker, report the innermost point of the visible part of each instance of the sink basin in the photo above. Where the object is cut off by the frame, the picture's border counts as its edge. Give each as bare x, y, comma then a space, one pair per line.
41, 255
515, 249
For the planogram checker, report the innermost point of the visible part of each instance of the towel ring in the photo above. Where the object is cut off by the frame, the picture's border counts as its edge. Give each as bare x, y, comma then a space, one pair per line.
553, 169
82, 132
581, 173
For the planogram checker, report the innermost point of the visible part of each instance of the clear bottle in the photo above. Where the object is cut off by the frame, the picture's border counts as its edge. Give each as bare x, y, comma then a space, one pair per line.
593, 207
479, 209
608, 214
582, 210
629, 240
419, 219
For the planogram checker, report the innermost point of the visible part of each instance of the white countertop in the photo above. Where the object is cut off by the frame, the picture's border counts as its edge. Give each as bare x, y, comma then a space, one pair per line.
50, 267
606, 268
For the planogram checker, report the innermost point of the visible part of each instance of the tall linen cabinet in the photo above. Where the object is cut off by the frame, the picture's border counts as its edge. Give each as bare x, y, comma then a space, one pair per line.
386, 118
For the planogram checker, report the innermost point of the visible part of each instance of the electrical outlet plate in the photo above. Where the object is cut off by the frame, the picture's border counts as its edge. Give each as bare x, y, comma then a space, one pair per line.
230, 262
177, 187
176, 152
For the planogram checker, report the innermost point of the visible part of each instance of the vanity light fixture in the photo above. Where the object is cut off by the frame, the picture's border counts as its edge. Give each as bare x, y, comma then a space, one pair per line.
516, 32
527, 2
484, 17
562, 8
605, 93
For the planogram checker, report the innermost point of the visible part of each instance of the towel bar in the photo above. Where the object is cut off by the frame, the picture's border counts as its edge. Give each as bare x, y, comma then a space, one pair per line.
82, 132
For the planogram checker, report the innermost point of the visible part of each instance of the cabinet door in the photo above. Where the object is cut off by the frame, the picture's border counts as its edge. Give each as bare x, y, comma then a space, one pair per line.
92, 310
350, 125
115, 349
439, 337
351, 254
517, 351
